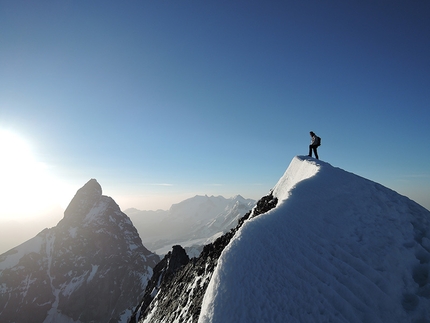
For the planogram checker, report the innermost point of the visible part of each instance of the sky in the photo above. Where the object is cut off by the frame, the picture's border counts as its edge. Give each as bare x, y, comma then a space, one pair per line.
163, 100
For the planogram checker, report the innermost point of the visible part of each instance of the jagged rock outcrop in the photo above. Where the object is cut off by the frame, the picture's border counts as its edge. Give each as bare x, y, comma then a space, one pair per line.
163, 272
91, 267
186, 287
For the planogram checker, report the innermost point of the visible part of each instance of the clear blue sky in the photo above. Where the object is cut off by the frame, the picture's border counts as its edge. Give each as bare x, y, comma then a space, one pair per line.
162, 100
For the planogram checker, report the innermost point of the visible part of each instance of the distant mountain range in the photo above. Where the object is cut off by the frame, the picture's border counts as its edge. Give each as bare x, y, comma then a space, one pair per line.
191, 223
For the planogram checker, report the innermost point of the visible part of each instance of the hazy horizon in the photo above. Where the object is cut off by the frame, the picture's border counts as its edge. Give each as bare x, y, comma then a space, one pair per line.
14, 231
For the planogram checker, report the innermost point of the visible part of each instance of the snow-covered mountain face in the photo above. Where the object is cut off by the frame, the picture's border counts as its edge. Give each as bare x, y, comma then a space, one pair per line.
194, 222
91, 267
329, 246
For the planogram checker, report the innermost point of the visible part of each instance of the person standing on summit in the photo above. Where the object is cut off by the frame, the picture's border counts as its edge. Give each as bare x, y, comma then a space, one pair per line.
315, 142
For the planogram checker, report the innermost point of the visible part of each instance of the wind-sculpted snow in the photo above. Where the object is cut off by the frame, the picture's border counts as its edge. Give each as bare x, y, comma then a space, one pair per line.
337, 248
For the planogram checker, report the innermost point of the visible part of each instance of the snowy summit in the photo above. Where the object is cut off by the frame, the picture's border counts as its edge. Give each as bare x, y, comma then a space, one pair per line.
336, 248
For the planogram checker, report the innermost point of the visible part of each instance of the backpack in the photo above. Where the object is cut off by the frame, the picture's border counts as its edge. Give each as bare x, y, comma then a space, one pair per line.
318, 141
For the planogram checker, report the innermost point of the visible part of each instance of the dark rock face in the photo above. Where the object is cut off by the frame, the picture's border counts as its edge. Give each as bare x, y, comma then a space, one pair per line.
186, 287
265, 204
163, 272
83, 201
91, 267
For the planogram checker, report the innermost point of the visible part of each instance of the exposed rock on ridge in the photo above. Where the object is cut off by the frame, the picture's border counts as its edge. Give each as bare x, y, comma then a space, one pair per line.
163, 272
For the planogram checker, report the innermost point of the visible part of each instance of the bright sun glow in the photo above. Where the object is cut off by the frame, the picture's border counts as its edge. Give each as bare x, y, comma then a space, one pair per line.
26, 187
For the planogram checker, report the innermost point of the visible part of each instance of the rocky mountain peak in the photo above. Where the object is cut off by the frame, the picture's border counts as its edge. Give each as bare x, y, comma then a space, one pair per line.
86, 197
91, 267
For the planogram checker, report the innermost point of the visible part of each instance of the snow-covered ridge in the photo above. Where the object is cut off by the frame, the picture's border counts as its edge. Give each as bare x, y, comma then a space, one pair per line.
337, 248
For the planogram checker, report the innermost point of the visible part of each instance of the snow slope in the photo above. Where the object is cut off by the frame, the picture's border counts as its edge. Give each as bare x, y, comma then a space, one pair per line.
337, 248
